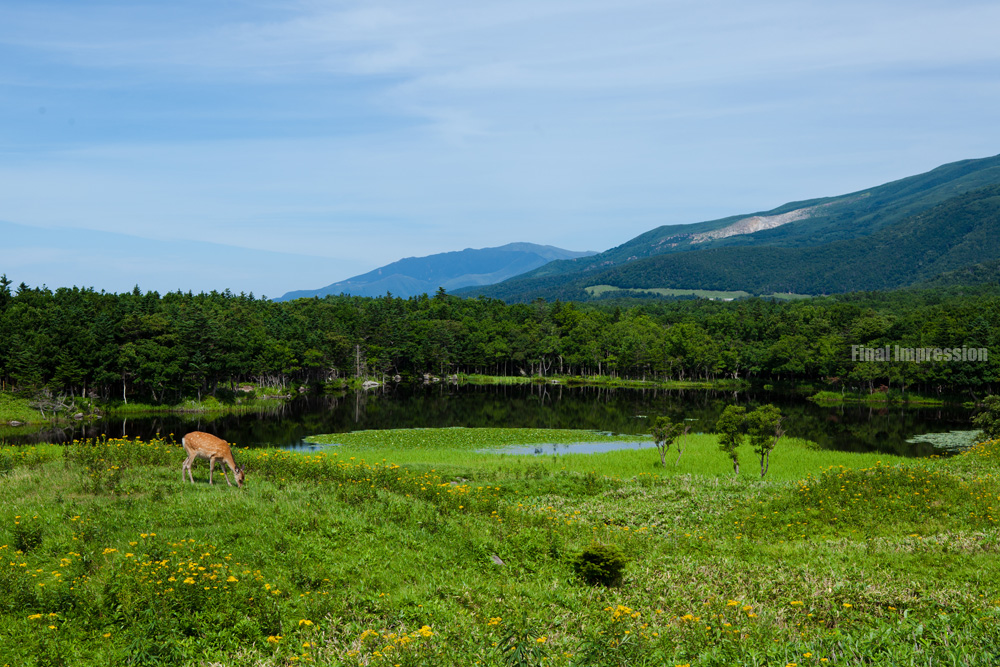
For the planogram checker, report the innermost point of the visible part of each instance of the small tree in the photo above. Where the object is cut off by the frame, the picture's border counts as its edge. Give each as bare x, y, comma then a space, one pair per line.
989, 419
681, 441
764, 428
730, 429
664, 433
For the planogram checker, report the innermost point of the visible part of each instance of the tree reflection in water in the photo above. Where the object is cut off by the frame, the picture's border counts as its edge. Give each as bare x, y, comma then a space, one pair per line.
849, 427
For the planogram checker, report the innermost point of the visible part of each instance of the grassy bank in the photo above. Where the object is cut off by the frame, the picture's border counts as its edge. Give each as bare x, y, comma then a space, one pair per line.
354, 557
600, 381
207, 405
19, 409
15, 408
878, 398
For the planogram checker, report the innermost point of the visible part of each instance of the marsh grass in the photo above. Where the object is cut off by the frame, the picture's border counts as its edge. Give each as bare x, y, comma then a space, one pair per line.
354, 558
877, 398
480, 379
16, 408
793, 458
207, 405
596, 381
434, 439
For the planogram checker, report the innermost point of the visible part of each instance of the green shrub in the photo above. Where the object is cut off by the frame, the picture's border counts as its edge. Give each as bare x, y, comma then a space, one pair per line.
600, 564
27, 535
989, 419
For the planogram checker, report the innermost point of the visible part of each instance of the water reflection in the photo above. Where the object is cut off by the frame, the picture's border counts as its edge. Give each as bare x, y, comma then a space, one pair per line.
615, 410
554, 449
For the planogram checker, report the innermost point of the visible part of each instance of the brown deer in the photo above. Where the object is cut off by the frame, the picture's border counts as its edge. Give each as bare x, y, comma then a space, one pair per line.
199, 445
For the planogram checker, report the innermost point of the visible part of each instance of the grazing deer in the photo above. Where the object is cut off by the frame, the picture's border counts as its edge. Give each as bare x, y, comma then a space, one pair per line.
200, 445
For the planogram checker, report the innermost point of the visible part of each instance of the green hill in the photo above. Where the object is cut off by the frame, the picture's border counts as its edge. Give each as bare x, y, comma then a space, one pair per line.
888, 236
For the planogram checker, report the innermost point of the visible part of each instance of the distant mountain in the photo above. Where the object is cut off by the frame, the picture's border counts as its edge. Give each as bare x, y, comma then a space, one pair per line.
892, 235
450, 270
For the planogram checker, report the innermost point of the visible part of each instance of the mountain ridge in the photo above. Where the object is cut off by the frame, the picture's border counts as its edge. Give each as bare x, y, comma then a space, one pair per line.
451, 270
666, 256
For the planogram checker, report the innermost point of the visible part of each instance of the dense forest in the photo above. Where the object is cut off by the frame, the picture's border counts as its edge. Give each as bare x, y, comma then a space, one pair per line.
164, 347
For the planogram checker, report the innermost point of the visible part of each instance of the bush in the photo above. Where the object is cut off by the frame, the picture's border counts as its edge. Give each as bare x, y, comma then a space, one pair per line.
989, 419
600, 564
27, 535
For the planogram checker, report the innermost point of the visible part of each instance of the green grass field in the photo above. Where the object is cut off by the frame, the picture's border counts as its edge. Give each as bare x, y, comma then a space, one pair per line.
414, 548
14, 408
787, 296
599, 290
460, 447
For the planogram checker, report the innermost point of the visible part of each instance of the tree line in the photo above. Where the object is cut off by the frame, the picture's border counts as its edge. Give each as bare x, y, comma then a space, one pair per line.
144, 345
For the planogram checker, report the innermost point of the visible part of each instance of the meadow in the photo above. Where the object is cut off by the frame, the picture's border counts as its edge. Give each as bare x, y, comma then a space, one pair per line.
14, 408
417, 548
601, 290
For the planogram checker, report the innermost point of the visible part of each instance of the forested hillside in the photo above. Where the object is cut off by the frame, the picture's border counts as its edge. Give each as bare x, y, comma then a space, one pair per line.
889, 236
164, 347
961, 232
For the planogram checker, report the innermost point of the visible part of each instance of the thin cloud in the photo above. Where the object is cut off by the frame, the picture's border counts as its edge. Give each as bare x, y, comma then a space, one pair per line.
362, 132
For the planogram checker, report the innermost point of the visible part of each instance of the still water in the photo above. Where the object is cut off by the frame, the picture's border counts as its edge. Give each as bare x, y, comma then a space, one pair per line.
843, 427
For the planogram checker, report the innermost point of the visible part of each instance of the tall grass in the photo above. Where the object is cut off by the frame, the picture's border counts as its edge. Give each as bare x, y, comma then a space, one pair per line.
355, 557
15, 408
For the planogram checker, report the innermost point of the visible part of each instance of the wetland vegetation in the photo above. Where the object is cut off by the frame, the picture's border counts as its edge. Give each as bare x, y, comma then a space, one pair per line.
858, 427
403, 540
415, 548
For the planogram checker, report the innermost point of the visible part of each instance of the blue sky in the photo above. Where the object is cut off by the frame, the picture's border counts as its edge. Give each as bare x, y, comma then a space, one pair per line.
271, 146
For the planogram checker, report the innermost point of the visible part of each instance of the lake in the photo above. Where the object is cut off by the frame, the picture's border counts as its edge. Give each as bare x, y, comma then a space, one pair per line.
851, 427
